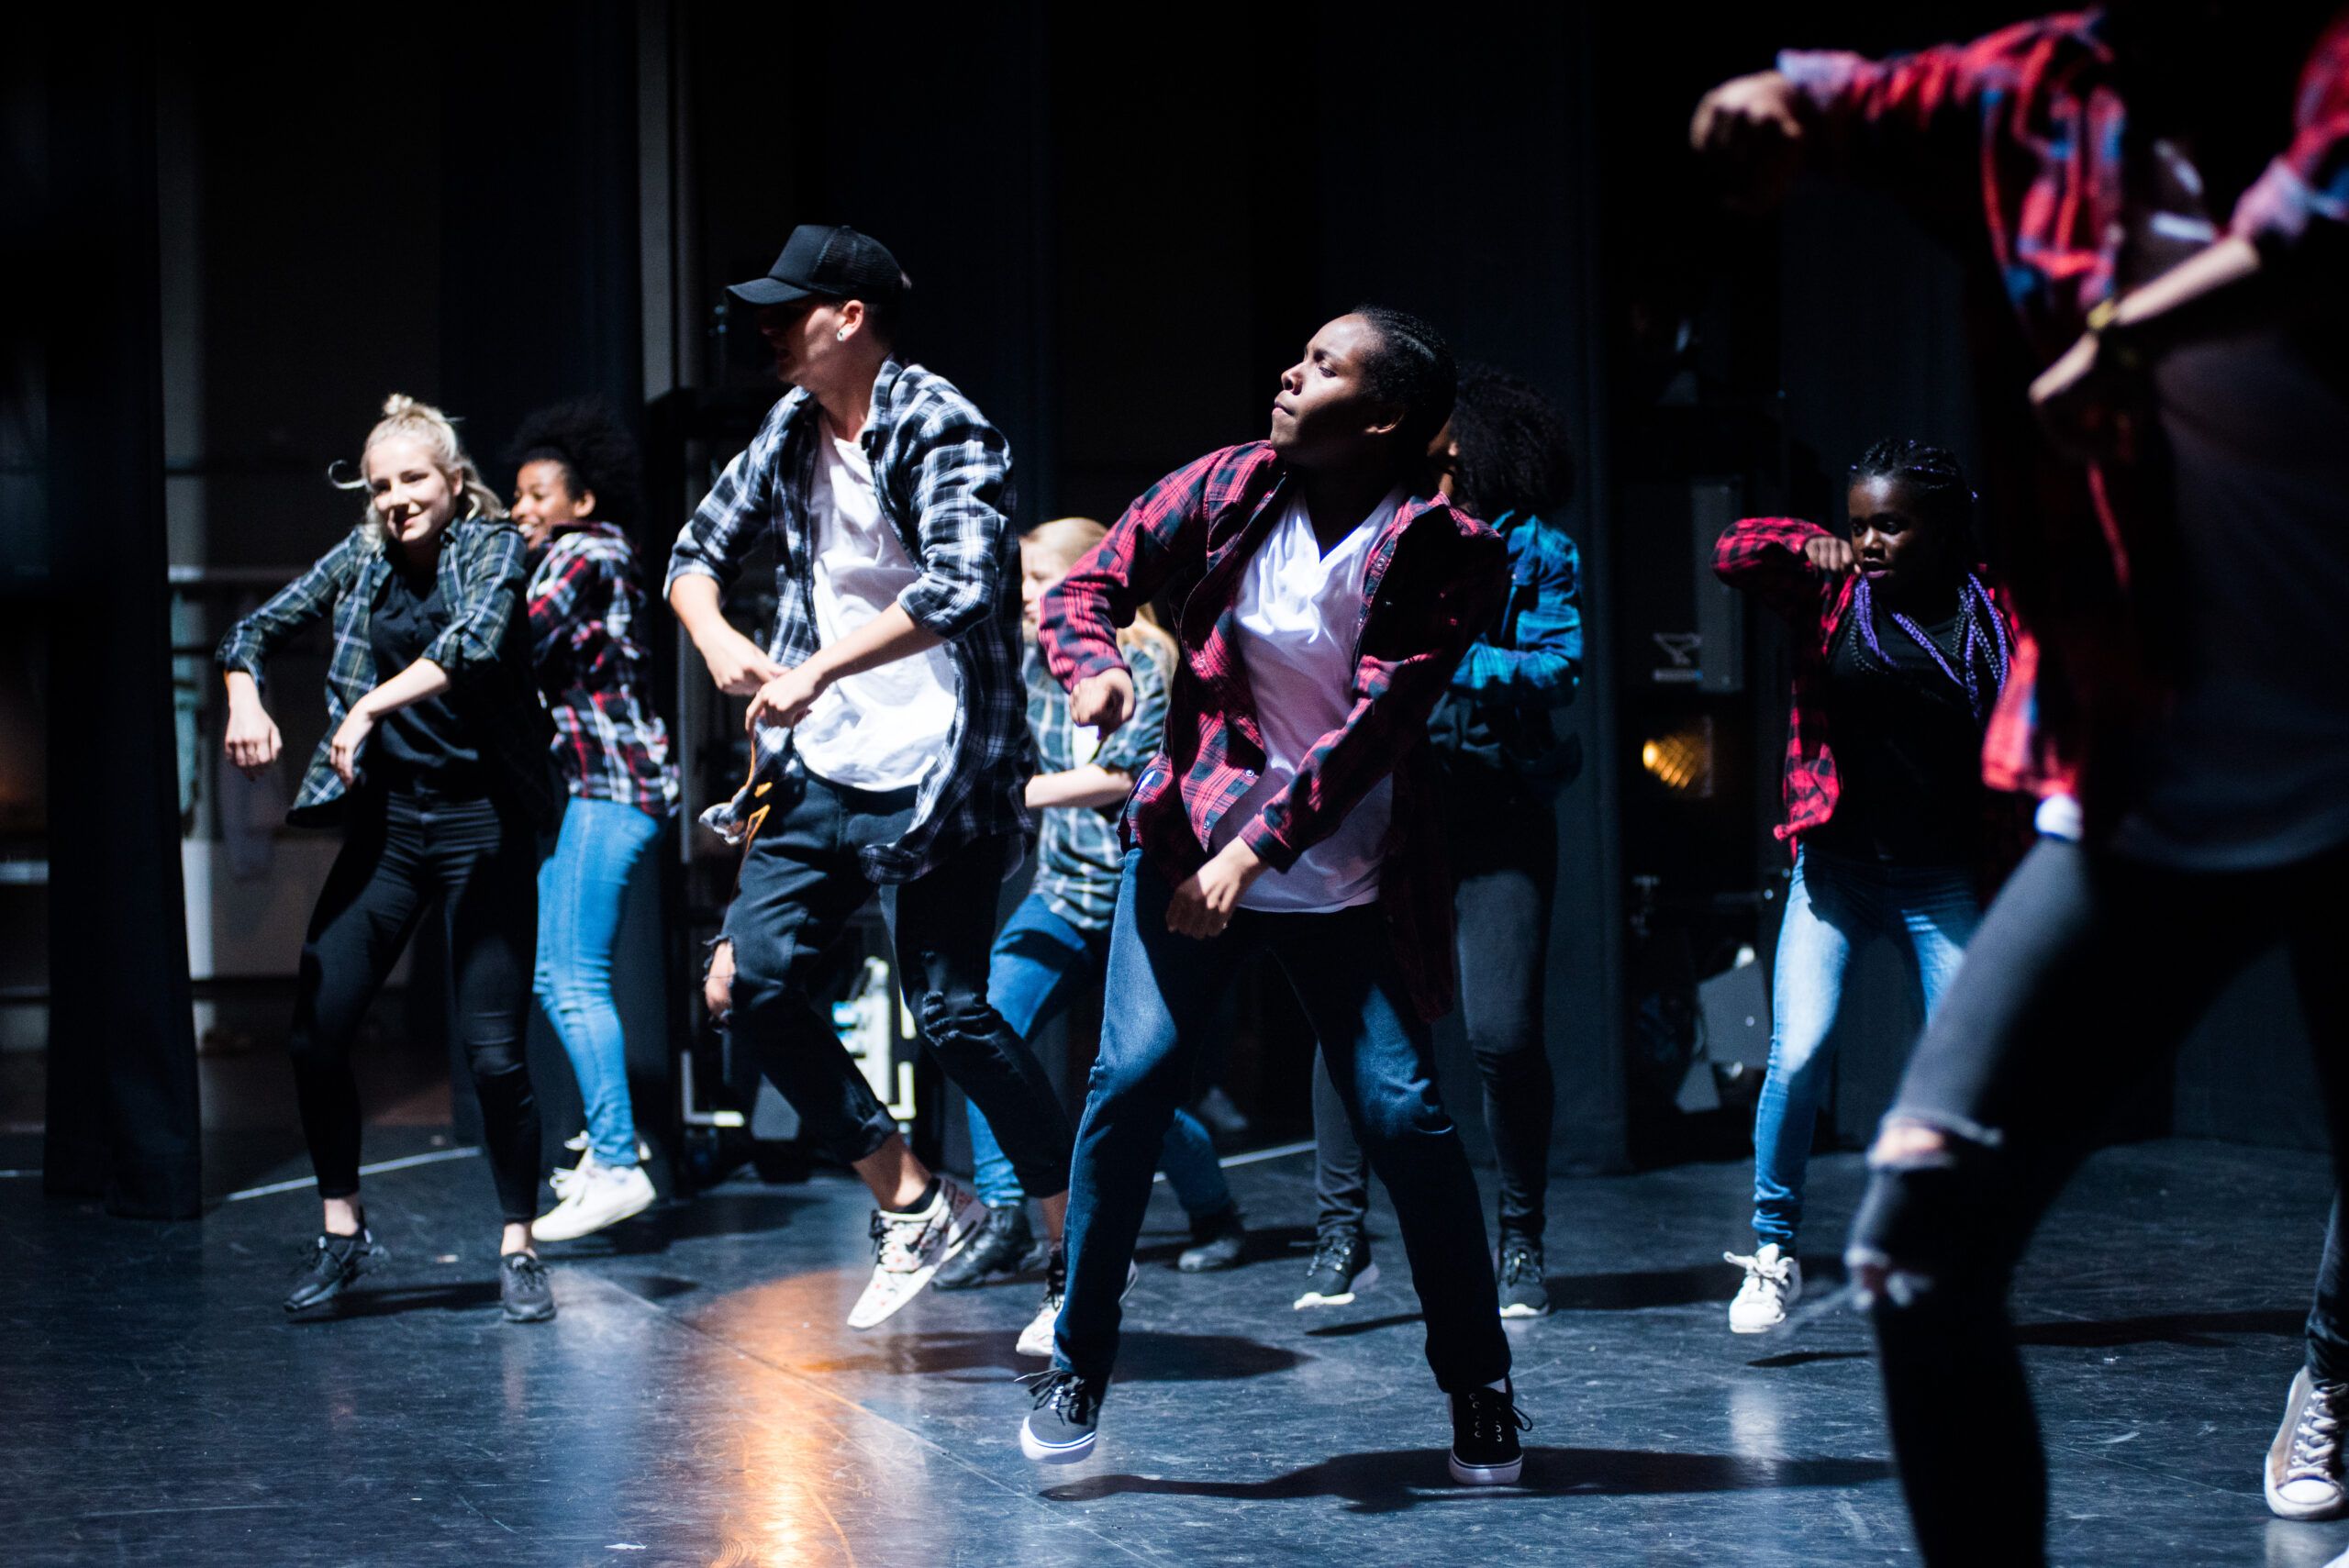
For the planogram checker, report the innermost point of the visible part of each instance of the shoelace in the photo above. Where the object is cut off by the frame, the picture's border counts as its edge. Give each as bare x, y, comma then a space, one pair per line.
896, 1243
322, 1246
533, 1271
1067, 1394
2316, 1438
1780, 1273
1492, 1413
1520, 1261
1333, 1254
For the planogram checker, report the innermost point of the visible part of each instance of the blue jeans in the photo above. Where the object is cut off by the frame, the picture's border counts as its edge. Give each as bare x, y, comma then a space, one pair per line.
1160, 1003
1038, 962
580, 888
1836, 903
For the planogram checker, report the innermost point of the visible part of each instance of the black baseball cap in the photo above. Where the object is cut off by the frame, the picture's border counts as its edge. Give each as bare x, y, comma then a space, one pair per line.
830, 262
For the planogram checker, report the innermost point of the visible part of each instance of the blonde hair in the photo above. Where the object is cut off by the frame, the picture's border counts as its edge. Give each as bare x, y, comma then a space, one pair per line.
422, 422
1061, 544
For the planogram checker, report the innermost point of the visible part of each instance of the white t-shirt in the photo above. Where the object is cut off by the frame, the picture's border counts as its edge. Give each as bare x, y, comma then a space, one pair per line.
1298, 611
886, 728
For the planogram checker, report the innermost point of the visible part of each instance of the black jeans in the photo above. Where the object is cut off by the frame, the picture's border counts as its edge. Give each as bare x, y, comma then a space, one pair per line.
801, 885
2083, 978
1504, 847
403, 849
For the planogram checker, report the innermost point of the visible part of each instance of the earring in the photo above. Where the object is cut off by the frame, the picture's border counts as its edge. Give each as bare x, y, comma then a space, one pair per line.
841, 336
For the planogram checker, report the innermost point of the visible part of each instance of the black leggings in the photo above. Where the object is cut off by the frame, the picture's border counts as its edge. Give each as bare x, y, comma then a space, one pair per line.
403, 849
2083, 978
1504, 847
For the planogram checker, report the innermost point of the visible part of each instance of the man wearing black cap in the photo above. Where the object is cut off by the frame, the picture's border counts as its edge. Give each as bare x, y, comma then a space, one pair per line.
889, 734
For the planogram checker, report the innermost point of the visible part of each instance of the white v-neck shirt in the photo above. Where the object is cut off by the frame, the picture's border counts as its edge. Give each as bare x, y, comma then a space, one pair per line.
1298, 612
884, 729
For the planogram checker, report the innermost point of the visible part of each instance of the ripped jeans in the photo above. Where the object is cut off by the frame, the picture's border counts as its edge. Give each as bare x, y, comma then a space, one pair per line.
2082, 980
802, 881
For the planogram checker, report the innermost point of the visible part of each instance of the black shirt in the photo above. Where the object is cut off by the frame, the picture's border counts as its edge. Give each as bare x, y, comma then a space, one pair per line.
1908, 750
427, 743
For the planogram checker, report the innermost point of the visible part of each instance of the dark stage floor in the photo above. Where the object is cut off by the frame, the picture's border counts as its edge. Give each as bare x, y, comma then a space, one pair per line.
698, 1401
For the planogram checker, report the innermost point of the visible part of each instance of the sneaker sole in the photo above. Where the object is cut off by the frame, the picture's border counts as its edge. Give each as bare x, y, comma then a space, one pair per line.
2279, 1452
1519, 1310
1486, 1475
1044, 1452
540, 1231
1313, 1299
514, 1316
1755, 1327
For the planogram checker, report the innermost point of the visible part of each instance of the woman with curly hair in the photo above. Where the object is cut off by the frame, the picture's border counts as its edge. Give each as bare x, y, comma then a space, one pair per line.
574, 488
435, 765
1506, 458
1902, 648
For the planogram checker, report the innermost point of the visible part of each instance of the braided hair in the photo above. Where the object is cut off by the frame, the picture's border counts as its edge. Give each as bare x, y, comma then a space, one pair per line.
595, 453
1516, 455
1936, 481
1411, 368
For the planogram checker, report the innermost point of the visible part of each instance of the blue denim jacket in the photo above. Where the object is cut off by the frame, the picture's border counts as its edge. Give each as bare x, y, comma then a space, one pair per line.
1498, 711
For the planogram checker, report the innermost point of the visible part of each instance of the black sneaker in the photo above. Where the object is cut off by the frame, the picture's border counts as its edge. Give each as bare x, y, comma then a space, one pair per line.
329, 1266
1341, 1269
523, 1289
1000, 1250
1485, 1424
1524, 1293
1216, 1242
1060, 1430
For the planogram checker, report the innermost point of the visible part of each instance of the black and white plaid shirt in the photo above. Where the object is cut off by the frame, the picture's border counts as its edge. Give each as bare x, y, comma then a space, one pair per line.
943, 478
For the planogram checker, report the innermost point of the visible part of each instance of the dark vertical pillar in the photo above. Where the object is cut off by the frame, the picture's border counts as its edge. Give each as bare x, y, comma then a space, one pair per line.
122, 1115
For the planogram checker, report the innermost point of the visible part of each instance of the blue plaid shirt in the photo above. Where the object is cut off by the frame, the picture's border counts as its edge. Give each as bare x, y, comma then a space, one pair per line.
943, 477
485, 651
1499, 710
1079, 853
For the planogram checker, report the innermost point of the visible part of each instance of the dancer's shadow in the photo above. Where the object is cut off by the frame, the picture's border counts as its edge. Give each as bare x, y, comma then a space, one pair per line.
465, 1296
1698, 1284
1277, 1242
987, 1356
1395, 1480
2194, 1328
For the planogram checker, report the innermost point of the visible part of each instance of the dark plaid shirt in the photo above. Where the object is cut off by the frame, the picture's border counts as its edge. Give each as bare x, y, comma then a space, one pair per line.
585, 597
943, 477
485, 651
2025, 132
1434, 580
1765, 557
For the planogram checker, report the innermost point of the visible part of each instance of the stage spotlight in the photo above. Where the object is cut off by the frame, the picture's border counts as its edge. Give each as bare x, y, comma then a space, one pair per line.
1683, 760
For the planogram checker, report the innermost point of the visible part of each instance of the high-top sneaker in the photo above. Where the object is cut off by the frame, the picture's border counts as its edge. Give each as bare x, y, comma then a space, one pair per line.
1000, 1250
1036, 1340
1524, 1292
1341, 1269
1772, 1284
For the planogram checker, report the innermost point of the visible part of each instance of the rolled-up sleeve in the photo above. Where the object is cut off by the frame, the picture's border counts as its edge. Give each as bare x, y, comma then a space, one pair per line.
1161, 534
725, 528
494, 574
2304, 193
249, 642
962, 490
1136, 742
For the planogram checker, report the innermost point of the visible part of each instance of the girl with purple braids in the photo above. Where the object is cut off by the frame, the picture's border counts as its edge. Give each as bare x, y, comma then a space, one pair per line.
1902, 647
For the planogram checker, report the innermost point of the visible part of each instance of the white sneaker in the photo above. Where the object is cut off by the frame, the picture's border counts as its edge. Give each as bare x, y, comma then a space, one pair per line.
561, 1177
908, 1249
2303, 1479
593, 1195
1772, 1284
1036, 1340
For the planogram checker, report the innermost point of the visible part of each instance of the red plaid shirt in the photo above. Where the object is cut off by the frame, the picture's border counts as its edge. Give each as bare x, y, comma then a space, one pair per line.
584, 600
2030, 122
1764, 556
1190, 538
